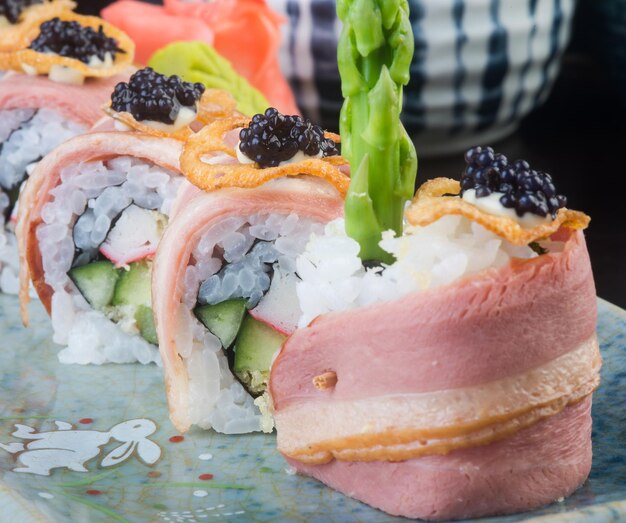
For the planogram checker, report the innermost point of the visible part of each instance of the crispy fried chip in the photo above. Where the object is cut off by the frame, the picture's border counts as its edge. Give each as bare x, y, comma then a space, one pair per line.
213, 105
23, 59
216, 176
433, 200
11, 35
216, 104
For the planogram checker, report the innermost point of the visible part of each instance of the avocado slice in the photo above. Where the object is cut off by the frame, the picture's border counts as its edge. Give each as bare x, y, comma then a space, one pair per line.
223, 319
254, 349
145, 323
96, 281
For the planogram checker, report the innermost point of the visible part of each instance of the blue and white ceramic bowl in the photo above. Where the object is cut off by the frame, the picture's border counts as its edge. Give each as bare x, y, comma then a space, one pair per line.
479, 65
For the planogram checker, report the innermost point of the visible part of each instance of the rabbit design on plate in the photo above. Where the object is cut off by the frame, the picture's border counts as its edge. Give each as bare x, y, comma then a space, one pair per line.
71, 448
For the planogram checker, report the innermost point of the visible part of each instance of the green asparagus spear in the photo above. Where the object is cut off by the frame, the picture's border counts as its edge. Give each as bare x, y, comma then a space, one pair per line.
374, 56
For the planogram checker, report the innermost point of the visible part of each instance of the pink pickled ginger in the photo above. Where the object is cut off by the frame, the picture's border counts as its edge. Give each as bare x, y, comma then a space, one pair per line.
246, 32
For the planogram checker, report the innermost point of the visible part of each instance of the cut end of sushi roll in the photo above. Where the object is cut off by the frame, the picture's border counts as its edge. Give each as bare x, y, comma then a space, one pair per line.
26, 135
77, 207
221, 271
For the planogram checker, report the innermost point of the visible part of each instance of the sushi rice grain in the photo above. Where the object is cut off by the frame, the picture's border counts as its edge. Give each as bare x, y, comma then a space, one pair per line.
26, 135
99, 190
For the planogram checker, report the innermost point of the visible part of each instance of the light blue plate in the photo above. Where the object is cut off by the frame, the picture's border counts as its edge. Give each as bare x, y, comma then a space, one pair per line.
69, 414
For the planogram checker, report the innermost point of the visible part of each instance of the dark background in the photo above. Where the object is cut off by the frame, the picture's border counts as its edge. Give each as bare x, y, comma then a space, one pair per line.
579, 136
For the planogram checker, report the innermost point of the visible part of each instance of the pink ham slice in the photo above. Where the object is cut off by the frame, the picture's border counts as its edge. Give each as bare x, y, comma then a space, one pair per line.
79, 103
499, 325
309, 198
534, 467
47, 175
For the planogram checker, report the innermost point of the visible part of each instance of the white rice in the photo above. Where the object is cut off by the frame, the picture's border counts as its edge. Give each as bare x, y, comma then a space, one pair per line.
333, 277
216, 398
9, 259
89, 336
42, 131
26, 136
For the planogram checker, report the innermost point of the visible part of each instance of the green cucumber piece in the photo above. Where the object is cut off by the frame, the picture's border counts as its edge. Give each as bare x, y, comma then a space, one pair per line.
134, 286
145, 323
255, 347
223, 319
96, 281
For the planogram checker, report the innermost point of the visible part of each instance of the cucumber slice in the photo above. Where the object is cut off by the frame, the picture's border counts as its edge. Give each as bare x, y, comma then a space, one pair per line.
255, 347
145, 324
96, 281
134, 286
223, 319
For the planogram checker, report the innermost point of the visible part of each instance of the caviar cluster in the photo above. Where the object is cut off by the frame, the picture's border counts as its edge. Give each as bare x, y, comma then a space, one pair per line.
12, 9
521, 188
149, 95
72, 40
272, 138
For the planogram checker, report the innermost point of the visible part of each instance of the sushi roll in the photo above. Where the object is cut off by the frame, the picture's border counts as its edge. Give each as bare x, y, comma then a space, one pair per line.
89, 222
461, 373
224, 273
446, 356
94, 211
38, 113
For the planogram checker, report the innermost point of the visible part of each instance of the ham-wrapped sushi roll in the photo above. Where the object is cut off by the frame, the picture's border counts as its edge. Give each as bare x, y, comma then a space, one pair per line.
40, 111
455, 382
444, 363
224, 274
94, 211
90, 220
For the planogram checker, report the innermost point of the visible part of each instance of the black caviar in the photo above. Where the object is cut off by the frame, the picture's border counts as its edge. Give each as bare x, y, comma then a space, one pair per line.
149, 95
521, 188
72, 40
12, 9
272, 138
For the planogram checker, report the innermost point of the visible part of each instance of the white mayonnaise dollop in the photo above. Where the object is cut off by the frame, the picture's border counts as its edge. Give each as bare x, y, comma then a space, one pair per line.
185, 116
66, 75
491, 204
